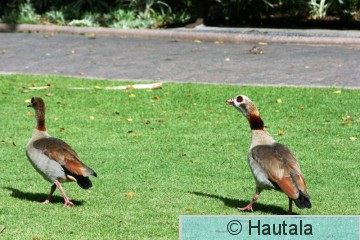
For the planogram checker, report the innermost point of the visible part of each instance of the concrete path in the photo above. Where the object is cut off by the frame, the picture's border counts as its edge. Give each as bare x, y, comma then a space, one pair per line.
206, 55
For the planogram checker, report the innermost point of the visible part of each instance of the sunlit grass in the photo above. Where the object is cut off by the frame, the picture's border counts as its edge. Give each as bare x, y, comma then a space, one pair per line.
169, 152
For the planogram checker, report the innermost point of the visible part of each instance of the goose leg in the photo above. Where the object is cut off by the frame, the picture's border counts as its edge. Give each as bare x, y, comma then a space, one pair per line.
290, 207
67, 203
47, 200
249, 206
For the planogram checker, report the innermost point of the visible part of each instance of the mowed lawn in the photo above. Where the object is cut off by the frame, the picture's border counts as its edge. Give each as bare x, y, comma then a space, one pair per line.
179, 150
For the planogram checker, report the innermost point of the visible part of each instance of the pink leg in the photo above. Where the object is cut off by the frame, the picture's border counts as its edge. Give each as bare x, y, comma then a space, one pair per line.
67, 203
249, 206
47, 200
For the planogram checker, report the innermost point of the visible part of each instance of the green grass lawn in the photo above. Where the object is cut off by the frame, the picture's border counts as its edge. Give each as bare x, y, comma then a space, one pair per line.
179, 150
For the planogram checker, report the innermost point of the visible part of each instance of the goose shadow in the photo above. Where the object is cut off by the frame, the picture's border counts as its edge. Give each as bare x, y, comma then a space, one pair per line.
235, 203
37, 197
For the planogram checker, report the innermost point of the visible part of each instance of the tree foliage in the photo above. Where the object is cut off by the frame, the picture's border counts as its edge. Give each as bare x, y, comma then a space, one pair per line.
167, 13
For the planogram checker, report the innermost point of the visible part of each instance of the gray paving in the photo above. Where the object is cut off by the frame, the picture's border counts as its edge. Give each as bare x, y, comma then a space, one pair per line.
210, 60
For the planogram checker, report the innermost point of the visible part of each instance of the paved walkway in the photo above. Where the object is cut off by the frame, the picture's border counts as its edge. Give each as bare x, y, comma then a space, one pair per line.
205, 55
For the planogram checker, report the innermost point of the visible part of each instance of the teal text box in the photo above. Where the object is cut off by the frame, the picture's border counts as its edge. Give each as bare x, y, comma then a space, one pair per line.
269, 227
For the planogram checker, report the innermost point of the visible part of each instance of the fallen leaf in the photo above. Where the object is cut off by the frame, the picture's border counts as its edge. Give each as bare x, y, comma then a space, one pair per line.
116, 113
4, 51
190, 95
147, 122
129, 119
81, 73
91, 35
13, 143
219, 42
62, 129
129, 194
197, 41
49, 95
353, 138
263, 43
279, 100
188, 209
301, 107
256, 50
156, 98
281, 132
347, 120
30, 114
98, 87
132, 95
25, 91
337, 92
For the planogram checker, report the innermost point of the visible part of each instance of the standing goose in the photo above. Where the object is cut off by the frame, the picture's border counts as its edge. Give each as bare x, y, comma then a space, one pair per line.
272, 164
54, 159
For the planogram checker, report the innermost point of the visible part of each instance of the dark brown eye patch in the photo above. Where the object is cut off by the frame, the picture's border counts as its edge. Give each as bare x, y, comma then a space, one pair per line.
239, 99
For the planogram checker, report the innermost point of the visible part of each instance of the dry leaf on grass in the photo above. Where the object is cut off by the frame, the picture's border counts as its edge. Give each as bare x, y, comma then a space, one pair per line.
129, 194
347, 120
281, 132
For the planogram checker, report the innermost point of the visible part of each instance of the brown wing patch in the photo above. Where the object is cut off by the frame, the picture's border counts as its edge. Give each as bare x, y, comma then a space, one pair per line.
300, 183
287, 186
282, 167
61, 152
76, 167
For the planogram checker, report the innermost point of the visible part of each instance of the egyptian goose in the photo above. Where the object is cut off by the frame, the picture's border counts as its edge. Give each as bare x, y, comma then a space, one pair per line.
54, 159
272, 164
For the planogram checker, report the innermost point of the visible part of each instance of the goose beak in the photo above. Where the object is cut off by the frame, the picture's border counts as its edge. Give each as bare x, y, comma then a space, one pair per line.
230, 102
